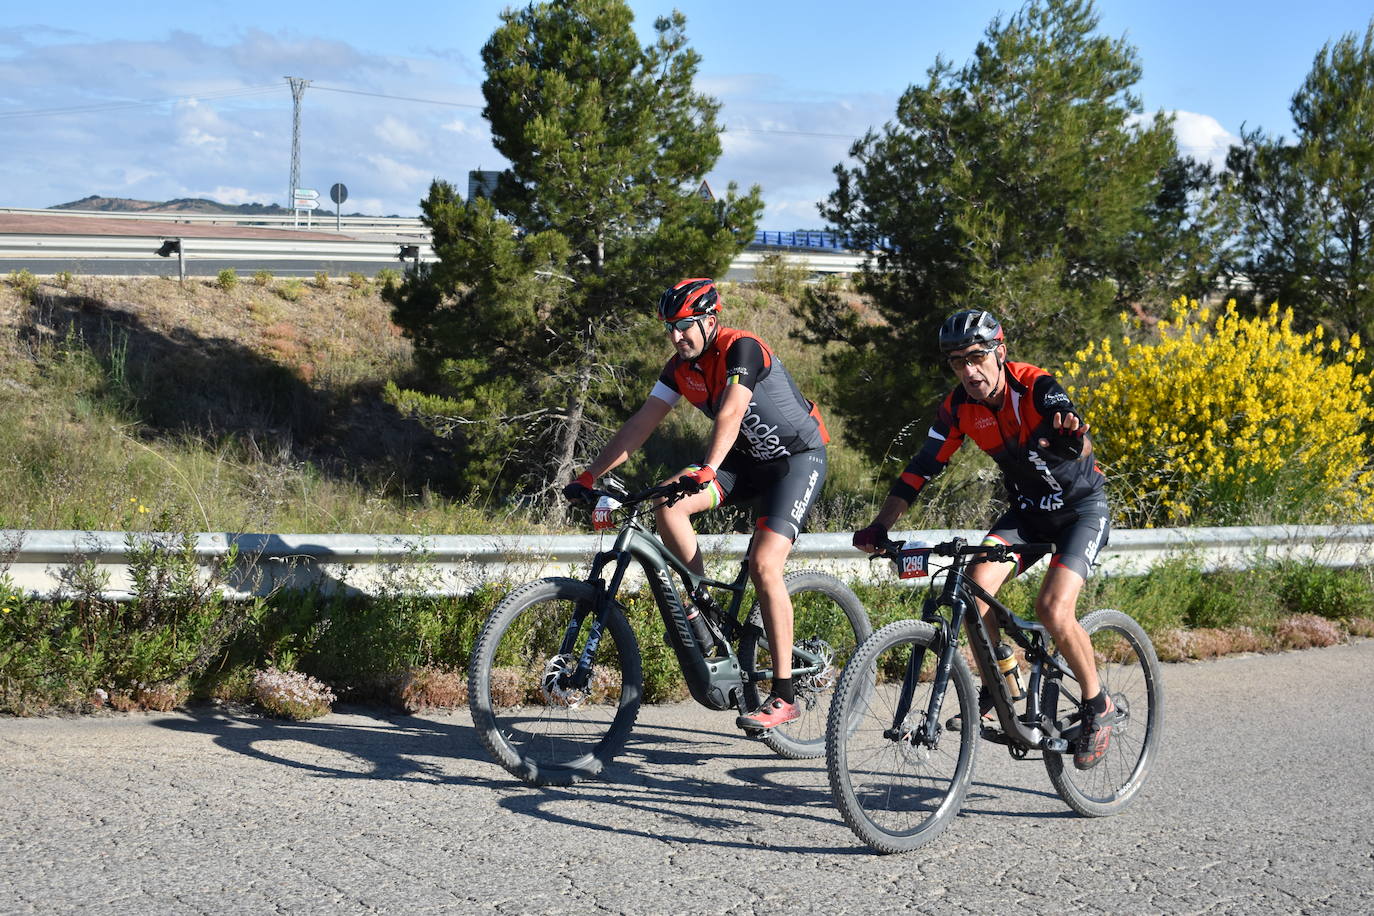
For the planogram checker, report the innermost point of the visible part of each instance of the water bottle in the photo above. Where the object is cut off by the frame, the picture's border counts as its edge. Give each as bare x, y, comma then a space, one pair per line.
701, 628
1011, 672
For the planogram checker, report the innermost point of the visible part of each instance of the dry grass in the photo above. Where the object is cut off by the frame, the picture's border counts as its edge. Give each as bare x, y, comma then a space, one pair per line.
1307, 631
431, 687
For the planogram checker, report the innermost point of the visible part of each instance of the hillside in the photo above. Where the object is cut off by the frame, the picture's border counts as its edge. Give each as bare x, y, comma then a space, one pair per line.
180, 205
261, 408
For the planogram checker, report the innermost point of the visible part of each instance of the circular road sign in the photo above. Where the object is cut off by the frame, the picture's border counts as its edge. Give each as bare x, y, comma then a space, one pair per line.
338, 193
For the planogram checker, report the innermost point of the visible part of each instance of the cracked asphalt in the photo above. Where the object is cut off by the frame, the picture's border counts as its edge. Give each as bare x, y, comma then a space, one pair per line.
1263, 803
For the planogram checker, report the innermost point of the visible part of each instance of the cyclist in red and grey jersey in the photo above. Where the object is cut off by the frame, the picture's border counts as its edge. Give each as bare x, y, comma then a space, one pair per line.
766, 450
777, 422
1020, 416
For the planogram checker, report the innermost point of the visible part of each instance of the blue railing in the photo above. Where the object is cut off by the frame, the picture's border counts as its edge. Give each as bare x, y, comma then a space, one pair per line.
805, 238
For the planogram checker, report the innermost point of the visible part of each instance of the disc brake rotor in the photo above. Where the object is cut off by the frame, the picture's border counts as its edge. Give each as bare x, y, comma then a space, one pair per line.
553, 683
812, 684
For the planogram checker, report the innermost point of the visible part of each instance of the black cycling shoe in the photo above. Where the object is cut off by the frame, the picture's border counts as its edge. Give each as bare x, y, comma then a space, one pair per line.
956, 723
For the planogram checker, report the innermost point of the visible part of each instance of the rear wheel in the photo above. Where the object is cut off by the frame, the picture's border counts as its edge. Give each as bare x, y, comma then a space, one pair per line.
828, 621
894, 792
1129, 671
528, 713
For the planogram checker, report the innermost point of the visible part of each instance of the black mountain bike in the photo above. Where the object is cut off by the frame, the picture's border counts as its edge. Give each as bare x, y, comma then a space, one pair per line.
555, 680
898, 761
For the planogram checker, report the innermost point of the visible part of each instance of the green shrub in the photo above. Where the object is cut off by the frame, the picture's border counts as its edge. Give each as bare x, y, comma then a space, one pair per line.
781, 275
292, 290
63, 279
358, 281
26, 283
227, 279
262, 277
321, 280
142, 652
1306, 587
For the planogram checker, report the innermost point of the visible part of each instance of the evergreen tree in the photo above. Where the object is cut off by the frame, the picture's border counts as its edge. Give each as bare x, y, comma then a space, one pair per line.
1026, 183
1309, 205
538, 308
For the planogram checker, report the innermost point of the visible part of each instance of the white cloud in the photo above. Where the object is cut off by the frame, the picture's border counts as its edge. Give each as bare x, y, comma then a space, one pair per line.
400, 176
1202, 137
226, 195
459, 126
399, 135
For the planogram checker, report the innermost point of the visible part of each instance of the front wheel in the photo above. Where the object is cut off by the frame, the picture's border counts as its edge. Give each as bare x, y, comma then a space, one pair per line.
535, 721
828, 623
1129, 671
895, 792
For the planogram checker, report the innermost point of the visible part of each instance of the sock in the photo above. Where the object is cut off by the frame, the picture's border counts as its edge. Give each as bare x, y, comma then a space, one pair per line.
1099, 703
782, 689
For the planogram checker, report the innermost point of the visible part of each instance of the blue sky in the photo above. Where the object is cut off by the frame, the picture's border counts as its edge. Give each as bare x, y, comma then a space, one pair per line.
797, 81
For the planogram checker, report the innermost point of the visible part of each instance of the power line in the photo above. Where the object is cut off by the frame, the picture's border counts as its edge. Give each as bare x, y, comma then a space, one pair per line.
122, 106
398, 98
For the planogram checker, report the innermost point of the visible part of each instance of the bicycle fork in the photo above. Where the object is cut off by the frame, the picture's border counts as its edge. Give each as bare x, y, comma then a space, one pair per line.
581, 674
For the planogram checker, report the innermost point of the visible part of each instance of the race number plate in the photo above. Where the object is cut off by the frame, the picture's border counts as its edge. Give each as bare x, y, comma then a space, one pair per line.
913, 562
601, 515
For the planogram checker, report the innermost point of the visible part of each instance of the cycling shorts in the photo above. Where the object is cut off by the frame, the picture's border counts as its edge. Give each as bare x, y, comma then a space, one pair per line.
1078, 533
780, 492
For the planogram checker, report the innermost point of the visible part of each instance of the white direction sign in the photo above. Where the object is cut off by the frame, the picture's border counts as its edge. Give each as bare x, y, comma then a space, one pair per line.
302, 204
307, 193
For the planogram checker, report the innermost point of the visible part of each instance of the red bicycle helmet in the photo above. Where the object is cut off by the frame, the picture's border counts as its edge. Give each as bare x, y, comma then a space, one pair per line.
689, 298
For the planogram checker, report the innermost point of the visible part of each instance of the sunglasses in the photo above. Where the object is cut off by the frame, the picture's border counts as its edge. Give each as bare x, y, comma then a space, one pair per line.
970, 359
682, 324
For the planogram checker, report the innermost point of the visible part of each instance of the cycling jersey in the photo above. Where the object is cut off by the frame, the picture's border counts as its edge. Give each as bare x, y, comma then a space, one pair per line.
1037, 481
778, 422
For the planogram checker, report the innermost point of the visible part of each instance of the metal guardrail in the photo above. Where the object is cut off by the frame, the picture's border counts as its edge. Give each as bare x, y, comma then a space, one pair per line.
401, 225
97, 247
134, 247
456, 564
821, 251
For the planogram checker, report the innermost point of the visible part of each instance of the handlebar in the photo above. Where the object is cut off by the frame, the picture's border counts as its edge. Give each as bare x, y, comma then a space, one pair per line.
958, 548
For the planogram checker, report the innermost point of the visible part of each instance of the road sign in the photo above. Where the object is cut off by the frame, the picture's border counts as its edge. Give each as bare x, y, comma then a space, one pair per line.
303, 204
307, 193
338, 193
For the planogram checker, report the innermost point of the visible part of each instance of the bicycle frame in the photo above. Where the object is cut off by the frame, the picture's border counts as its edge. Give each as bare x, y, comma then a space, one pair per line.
713, 682
1026, 732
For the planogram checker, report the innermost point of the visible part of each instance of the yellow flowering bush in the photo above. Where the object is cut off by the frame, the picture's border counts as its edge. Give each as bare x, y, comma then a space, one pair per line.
1223, 419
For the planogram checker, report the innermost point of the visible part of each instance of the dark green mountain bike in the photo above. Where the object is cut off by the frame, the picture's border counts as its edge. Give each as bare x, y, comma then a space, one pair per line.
555, 680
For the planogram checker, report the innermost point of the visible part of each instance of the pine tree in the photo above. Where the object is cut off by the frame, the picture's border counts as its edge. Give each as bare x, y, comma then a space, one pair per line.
538, 310
1026, 182
1309, 205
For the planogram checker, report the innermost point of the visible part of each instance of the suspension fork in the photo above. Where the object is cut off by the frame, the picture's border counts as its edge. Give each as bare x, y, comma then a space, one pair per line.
600, 606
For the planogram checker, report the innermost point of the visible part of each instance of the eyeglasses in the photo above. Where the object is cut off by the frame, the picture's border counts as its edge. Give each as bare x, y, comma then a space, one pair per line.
970, 359
683, 324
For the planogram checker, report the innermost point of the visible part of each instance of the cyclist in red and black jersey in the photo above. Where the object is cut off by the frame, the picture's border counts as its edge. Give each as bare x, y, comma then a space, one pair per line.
1020, 416
766, 450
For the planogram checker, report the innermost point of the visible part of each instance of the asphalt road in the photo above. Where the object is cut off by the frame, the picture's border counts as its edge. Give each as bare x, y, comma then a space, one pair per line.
1263, 803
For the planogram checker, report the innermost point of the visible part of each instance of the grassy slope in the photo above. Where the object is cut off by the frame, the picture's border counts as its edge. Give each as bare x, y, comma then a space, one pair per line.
134, 401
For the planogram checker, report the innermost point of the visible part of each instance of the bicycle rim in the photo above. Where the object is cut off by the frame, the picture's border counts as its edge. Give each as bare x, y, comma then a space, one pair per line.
894, 794
1129, 671
536, 725
829, 620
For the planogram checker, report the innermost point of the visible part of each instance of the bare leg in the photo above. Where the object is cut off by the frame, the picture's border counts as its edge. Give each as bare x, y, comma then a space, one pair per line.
765, 569
675, 527
1057, 608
